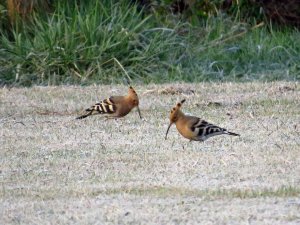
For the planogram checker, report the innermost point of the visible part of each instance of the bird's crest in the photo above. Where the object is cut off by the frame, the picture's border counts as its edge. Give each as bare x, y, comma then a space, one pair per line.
132, 95
134, 99
132, 92
175, 112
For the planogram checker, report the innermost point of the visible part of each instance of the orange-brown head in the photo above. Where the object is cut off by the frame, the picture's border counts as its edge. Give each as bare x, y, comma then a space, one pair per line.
175, 114
134, 99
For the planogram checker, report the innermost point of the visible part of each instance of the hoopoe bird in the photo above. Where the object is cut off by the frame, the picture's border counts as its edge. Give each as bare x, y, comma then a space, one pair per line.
194, 128
115, 106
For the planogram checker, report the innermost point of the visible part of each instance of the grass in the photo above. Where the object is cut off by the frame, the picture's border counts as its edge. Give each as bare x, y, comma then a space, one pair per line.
57, 169
81, 44
155, 191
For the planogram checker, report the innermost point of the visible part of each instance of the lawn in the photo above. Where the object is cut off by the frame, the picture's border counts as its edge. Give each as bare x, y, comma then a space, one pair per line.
58, 170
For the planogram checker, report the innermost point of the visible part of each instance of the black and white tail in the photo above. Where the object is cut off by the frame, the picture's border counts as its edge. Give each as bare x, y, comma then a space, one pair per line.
231, 133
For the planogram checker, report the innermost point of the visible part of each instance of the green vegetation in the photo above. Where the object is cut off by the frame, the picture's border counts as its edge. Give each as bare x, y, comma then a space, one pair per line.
94, 42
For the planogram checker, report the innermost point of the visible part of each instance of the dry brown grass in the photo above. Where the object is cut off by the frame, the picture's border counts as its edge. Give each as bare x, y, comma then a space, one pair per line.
58, 170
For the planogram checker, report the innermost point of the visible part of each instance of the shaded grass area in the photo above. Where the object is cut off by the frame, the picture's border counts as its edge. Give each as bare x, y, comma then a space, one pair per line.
82, 45
160, 192
61, 170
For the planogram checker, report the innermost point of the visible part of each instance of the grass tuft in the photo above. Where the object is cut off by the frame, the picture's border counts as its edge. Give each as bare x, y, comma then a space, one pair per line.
79, 44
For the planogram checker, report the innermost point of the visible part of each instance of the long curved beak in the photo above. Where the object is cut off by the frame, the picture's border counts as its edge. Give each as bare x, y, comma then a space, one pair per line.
138, 109
168, 130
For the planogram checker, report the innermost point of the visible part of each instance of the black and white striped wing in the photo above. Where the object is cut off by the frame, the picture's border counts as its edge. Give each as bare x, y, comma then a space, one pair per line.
204, 130
107, 106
